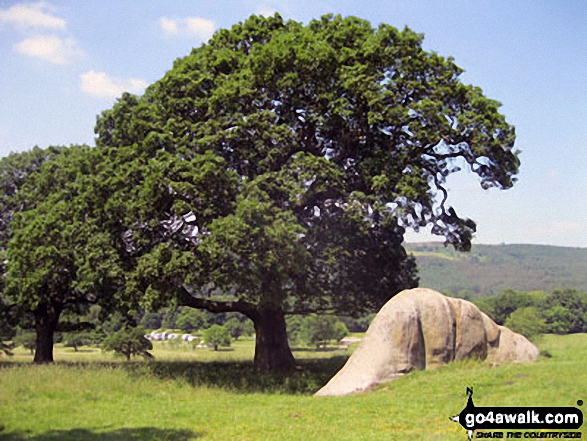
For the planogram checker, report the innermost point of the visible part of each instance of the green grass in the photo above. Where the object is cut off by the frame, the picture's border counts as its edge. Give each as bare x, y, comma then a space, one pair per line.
212, 396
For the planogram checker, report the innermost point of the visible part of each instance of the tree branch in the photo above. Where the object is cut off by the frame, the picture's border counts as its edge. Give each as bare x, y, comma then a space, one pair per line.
441, 157
217, 306
439, 187
311, 311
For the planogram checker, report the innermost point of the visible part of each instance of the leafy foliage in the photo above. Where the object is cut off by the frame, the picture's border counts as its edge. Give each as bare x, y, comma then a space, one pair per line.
15, 170
527, 321
270, 172
169, 320
27, 340
336, 132
58, 254
500, 307
216, 336
151, 320
320, 329
128, 342
190, 319
567, 311
76, 339
273, 170
562, 312
7, 329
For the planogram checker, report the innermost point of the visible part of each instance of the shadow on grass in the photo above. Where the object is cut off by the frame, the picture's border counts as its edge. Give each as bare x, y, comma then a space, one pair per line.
236, 376
310, 375
83, 351
318, 350
135, 434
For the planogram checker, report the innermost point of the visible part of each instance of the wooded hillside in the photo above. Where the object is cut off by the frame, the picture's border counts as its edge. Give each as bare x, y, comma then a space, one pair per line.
489, 269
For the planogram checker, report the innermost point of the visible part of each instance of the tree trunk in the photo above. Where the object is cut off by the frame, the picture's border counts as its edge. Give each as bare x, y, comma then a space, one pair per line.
46, 320
272, 351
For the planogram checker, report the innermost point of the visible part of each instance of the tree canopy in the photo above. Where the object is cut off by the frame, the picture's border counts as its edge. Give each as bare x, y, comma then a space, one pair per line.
58, 254
128, 342
273, 170
319, 330
216, 336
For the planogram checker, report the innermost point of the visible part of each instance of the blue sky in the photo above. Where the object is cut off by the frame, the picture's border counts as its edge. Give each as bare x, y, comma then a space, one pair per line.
63, 62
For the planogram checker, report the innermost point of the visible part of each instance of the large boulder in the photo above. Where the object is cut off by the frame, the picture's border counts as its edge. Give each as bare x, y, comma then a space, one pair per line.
422, 329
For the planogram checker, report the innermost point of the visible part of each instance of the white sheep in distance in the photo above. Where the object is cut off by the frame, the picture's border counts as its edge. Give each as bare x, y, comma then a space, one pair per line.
188, 337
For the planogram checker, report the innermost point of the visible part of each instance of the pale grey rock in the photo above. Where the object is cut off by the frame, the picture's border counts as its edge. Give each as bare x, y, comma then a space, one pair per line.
422, 329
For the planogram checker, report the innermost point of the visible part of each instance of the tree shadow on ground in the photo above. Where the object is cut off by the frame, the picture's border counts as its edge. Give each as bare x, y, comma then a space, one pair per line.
236, 376
82, 351
318, 350
134, 434
309, 376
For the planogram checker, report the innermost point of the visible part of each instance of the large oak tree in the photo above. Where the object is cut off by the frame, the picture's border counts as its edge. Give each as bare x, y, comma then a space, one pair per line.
273, 170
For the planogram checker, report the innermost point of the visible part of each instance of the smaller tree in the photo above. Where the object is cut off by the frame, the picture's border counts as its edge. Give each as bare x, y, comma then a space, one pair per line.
216, 336
235, 327
560, 320
526, 321
27, 340
76, 339
507, 302
151, 320
294, 328
190, 319
319, 330
129, 342
567, 309
360, 324
169, 320
248, 327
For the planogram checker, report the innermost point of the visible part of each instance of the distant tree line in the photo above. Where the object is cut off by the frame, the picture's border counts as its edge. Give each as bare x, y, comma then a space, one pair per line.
564, 311
122, 334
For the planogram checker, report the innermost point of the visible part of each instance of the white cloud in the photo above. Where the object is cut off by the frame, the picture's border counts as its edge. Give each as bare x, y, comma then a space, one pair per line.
50, 48
101, 85
29, 19
169, 26
201, 28
26, 16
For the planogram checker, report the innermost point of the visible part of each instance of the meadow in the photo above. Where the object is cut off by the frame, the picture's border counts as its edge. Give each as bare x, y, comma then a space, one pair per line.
188, 394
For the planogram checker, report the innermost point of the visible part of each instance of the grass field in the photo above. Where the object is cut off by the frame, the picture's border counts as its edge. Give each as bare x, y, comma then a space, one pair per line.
203, 395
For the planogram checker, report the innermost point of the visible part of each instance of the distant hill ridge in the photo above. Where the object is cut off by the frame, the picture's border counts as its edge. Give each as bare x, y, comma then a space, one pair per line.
489, 269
